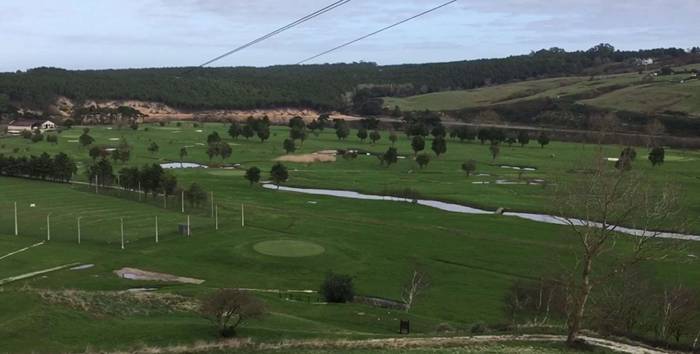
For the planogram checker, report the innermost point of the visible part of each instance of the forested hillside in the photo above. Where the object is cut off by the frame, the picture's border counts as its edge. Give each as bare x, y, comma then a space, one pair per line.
341, 87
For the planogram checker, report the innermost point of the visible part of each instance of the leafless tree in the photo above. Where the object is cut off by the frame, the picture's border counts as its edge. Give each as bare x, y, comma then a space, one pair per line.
622, 305
229, 308
602, 203
678, 313
417, 283
539, 300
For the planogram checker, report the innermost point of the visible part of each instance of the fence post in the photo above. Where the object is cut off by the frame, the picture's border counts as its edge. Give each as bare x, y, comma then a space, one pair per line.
122, 230
16, 225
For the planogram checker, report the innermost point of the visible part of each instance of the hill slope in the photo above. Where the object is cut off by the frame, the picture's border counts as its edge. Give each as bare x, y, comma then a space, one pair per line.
631, 92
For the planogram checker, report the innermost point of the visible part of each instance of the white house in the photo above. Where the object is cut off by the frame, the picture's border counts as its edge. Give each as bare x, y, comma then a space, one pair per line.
17, 126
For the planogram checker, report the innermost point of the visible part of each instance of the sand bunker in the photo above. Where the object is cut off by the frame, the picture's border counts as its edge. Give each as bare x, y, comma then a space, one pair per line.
308, 158
138, 274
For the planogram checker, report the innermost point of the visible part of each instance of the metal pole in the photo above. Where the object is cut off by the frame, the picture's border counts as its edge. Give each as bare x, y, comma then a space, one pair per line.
242, 215
139, 191
48, 227
212, 203
216, 216
96, 184
16, 225
122, 229
156, 229
182, 201
188, 226
79, 217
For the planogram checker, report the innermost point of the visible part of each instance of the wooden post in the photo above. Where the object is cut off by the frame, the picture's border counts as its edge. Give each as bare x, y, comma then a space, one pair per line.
96, 184
48, 227
139, 191
79, 217
16, 225
122, 229
189, 233
216, 216
242, 215
182, 201
156, 229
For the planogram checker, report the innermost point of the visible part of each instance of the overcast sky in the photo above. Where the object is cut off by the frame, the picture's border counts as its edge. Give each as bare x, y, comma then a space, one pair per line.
92, 34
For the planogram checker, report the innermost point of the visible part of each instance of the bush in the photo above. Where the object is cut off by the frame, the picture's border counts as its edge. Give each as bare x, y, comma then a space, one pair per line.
337, 288
444, 327
478, 328
228, 309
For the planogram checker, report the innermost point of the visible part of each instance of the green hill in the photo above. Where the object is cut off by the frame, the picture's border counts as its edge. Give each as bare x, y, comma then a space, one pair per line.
632, 92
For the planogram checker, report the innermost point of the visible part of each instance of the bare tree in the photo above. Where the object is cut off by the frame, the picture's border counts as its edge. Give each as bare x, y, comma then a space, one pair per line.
605, 201
229, 308
678, 313
415, 285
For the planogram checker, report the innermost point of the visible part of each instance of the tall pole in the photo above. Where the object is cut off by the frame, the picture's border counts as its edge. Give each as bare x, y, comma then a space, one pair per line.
139, 191
182, 200
212, 203
242, 215
122, 229
216, 216
188, 227
48, 227
79, 217
156, 229
96, 184
16, 225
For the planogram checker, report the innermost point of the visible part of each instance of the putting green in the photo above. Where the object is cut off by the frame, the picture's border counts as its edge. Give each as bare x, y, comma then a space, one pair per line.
289, 248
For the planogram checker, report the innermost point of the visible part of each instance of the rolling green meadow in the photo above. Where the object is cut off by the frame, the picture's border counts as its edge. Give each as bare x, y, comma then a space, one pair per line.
629, 92
291, 241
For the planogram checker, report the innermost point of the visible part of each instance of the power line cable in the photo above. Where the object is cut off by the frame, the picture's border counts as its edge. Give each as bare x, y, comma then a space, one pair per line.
377, 32
280, 30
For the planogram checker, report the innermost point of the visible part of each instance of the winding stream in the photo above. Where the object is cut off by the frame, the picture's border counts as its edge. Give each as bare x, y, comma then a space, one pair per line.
457, 208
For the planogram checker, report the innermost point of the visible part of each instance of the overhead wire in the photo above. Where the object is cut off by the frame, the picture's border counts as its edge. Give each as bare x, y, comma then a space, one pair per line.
289, 26
377, 32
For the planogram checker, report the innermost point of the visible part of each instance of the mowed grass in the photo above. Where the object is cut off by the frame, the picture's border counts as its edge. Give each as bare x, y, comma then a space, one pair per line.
557, 164
473, 260
617, 92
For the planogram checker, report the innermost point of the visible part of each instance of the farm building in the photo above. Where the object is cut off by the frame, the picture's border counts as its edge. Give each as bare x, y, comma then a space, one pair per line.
16, 127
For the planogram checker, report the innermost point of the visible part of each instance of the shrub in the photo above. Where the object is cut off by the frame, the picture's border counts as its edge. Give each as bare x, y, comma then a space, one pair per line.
478, 328
337, 288
229, 308
444, 327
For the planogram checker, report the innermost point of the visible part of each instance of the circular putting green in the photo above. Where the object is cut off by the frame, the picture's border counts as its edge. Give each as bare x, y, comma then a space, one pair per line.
289, 248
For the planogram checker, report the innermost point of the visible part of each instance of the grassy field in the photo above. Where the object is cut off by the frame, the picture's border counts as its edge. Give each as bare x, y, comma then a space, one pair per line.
618, 92
290, 241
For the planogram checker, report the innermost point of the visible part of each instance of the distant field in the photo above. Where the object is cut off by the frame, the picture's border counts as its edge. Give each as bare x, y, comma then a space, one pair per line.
630, 93
291, 241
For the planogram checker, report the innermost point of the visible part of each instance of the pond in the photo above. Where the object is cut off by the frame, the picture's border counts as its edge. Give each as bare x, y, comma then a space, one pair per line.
458, 208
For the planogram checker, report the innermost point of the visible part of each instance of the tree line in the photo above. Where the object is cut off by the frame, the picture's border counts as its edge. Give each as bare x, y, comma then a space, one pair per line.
321, 87
59, 168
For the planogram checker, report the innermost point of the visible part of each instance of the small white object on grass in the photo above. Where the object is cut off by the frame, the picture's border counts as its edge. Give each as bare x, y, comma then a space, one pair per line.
32, 205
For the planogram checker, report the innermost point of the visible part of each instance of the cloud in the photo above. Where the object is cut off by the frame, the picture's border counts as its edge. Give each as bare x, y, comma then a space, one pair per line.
113, 33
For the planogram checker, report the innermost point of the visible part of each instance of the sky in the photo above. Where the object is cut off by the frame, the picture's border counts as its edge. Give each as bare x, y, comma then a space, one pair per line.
100, 34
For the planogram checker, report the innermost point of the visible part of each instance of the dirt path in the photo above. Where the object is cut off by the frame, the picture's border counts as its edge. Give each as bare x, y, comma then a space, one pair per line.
388, 344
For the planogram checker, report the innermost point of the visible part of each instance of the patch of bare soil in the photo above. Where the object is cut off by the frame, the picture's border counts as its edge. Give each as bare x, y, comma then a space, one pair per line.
474, 344
308, 158
156, 112
138, 274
